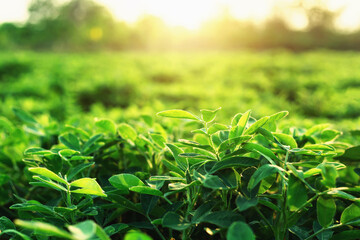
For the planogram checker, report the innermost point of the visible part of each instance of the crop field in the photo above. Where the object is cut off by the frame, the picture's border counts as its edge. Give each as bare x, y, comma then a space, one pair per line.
207, 145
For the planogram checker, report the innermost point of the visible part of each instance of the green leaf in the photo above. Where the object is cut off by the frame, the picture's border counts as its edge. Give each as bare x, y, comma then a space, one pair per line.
174, 221
324, 235
329, 174
47, 183
87, 186
148, 202
127, 132
326, 209
319, 147
328, 135
216, 127
269, 204
88, 230
24, 116
222, 218
6, 223
173, 167
6, 124
195, 144
214, 182
261, 173
43, 228
196, 155
180, 186
115, 228
36, 151
158, 140
136, 236
180, 161
88, 147
271, 123
254, 147
47, 173
209, 115
238, 129
233, 142
243, 203
125, 181
350, 155
66, 154
267, 134
234, 162
77, 169
33, 205
286, 139
202, 211
176, 113
106, 125
347, 235
296, 193
13, 231
255, 126
341, 194
240, 231
350, 214
146, 190
70, 141
124, 202
166, 178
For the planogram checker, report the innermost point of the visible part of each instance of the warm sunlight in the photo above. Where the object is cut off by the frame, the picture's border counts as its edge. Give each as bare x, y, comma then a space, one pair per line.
189, 13
192, 13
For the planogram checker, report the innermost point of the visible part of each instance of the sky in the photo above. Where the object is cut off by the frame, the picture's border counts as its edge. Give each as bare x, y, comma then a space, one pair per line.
192, 13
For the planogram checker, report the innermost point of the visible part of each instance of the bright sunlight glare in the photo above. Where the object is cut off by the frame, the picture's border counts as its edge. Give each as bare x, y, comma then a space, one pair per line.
192, 13
188, 13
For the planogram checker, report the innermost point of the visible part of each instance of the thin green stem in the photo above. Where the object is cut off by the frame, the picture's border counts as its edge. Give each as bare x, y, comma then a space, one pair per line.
264, 218
156, 228
69, 203
304, 205
323, 229
281, 220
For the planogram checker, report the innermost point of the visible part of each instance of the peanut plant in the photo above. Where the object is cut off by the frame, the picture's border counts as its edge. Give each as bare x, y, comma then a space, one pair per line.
191, 178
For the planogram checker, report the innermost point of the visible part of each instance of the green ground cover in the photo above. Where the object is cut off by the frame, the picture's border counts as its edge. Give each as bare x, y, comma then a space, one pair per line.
83, 154
313, 85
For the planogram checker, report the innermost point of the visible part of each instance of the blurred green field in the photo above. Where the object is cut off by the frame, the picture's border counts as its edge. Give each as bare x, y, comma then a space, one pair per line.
318, 86
92, 117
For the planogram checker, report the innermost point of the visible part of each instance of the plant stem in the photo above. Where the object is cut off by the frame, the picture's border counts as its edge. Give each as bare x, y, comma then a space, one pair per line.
68, 203
323, 229
281, 224
264, 218
156, 228
304, 205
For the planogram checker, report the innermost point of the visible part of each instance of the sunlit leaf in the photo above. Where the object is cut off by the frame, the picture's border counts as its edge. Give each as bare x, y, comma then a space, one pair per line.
325, 209
176, 113
47, 173
87, 186
240, 230
106, 125
127, 132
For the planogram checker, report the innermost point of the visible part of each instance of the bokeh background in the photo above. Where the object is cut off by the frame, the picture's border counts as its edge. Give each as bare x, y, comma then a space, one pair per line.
123, 59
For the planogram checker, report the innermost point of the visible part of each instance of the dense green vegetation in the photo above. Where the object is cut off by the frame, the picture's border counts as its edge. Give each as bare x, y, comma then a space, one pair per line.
224, 181
83, 154
318, 86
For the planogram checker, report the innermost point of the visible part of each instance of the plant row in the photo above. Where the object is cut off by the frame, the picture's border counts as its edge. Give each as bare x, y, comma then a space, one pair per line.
163, 178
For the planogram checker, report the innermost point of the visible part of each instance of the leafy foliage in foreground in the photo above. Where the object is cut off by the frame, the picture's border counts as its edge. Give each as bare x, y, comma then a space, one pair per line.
244, 178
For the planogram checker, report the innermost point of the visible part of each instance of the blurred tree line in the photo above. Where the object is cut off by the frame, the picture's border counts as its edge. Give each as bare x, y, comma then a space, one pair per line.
86, 25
